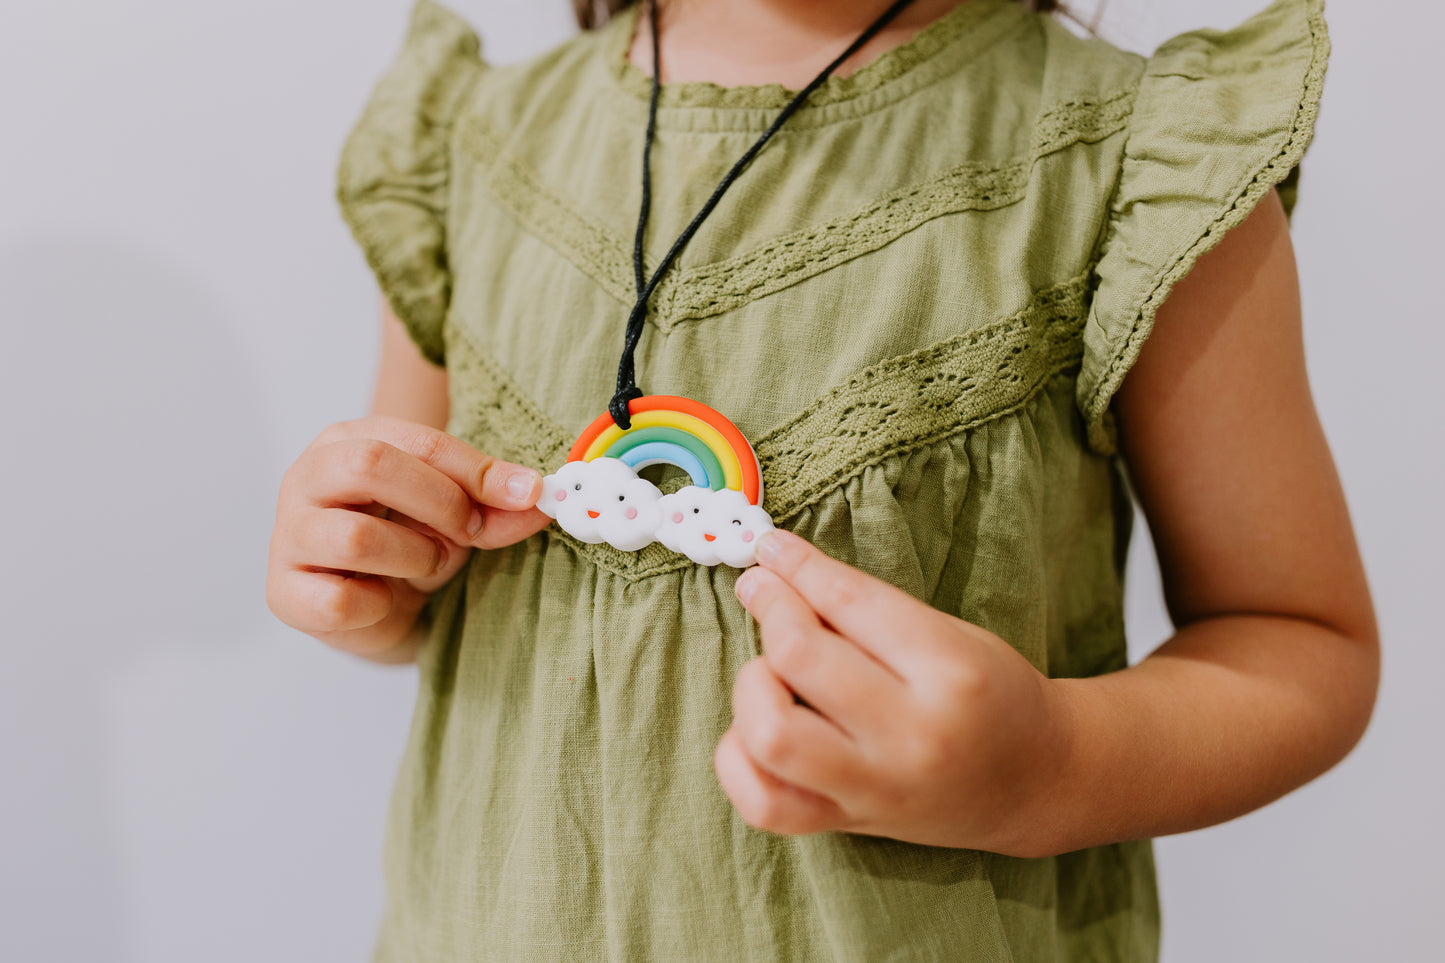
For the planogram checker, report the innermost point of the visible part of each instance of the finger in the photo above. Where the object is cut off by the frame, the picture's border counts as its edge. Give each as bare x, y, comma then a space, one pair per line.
328, 602
765, 802
454, 556
790, 741
829, 672
485, 479
351, 541
500, 527
893, 626
376, 477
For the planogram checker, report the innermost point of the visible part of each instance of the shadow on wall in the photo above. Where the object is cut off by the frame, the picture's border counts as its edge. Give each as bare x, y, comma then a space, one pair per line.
136, 523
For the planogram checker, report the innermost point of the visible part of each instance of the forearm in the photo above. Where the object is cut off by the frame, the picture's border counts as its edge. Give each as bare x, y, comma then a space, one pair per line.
1231, 713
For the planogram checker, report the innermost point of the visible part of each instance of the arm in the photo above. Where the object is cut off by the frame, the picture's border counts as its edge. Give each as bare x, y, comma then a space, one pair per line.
407, 385
1271, 677
925, 728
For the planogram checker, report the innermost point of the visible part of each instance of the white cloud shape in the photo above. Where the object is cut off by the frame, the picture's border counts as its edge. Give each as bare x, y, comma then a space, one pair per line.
602, 500
712, 526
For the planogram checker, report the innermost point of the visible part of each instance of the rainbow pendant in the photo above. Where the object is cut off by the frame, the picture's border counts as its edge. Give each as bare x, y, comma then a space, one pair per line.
597, 496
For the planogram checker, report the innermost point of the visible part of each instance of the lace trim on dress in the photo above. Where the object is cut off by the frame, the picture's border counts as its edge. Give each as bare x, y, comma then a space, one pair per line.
911, 401
712, 289
891, 408
490, 411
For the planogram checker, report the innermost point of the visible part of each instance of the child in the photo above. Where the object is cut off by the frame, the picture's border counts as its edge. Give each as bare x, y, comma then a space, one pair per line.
984, 268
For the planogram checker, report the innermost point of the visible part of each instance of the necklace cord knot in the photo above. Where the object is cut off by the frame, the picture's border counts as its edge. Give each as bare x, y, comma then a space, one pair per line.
618, 406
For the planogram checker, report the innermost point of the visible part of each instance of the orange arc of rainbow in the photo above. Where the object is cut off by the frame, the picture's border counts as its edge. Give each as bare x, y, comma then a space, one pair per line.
586, 447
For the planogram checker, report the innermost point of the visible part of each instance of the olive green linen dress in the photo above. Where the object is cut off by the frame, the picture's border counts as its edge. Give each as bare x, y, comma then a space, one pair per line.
917, 303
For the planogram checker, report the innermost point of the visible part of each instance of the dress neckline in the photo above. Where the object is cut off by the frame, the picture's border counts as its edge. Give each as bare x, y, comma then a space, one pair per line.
963, 27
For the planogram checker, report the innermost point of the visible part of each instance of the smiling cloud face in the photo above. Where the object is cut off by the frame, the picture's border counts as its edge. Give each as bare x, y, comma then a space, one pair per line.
712, 526
602, 500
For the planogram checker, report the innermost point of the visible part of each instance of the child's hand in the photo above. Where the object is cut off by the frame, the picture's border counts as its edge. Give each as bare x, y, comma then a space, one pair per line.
916, 725
377, 514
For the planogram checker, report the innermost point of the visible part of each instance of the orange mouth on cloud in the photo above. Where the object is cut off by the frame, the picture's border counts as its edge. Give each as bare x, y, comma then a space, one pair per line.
592, 514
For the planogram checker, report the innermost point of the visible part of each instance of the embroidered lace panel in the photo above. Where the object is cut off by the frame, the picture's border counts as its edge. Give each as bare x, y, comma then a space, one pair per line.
721, 286
890, 408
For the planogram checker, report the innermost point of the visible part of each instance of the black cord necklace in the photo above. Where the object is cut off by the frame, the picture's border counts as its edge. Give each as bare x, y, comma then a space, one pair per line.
627, 388
597, 496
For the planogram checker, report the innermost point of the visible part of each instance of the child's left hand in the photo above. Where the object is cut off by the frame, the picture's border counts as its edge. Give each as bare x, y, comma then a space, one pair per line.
916, 725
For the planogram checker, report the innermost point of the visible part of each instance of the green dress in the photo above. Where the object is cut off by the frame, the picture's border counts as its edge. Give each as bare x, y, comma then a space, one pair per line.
917, 303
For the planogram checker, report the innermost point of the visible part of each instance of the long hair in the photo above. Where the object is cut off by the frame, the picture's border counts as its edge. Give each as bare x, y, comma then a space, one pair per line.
594, 13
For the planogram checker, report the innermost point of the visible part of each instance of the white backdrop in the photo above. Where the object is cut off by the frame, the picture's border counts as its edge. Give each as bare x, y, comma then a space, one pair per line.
183, 779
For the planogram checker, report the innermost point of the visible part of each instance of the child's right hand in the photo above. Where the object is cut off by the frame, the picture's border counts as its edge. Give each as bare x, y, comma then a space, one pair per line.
376, 515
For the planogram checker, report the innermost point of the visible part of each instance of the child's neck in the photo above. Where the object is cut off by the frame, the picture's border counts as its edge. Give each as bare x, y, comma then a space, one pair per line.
752, 42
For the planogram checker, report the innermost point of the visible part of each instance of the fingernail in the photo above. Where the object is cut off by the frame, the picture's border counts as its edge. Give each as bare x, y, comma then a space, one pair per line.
522, 482
746, 586
775, 545
474, 524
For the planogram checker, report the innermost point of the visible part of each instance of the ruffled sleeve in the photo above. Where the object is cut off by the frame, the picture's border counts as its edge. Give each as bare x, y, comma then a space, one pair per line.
393, 179
1220, 119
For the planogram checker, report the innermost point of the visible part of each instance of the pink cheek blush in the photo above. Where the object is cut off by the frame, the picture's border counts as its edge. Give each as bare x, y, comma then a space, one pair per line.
677, 518
561, 496
747, 536
631, 513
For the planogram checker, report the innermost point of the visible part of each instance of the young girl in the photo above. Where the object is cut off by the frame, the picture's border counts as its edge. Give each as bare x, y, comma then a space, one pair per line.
982, 269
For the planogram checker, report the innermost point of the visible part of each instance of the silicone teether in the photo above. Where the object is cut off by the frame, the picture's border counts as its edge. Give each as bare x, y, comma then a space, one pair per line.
597, 495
